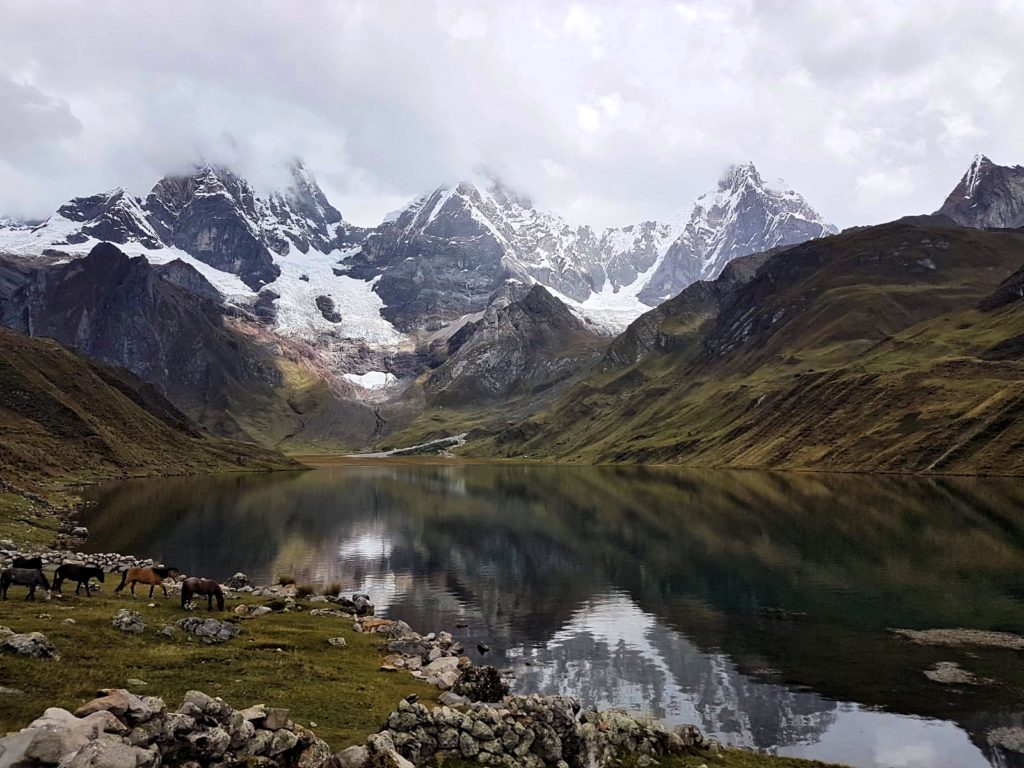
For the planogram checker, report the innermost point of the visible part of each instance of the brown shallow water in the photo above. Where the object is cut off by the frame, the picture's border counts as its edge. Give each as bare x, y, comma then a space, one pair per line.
758, 605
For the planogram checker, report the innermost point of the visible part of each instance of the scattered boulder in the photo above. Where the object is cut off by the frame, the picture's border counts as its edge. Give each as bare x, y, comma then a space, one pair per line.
353, 757
337, 642
34, 645
129, 621
211, 631
80, 532
237, 581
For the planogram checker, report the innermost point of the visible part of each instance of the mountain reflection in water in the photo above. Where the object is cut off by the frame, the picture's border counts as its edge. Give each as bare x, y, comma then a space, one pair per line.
754, 604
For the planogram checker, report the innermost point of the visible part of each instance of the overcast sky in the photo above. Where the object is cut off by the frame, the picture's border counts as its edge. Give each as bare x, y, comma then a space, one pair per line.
608, 112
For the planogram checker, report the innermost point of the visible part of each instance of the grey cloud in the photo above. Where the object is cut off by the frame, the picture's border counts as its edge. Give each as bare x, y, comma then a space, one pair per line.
608, 112
30, 119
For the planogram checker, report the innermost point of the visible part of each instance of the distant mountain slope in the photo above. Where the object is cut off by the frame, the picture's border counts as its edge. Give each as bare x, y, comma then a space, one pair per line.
168, 325
525, 342
863, 351
988, 196
66, 418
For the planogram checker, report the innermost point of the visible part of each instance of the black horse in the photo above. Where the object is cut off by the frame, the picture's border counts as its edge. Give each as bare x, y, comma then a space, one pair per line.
23, 577
34, 563
80, 574
208, 587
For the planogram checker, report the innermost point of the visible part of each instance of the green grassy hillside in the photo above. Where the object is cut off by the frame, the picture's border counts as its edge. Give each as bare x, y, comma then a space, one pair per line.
65, 419
880, 349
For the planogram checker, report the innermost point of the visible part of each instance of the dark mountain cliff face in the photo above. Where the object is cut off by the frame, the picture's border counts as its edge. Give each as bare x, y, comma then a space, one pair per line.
436, 262
988, 196
65, 418
526, 341
212, 215
163, 323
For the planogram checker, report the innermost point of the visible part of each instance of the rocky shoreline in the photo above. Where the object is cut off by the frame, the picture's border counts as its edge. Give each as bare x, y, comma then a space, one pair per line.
476, 719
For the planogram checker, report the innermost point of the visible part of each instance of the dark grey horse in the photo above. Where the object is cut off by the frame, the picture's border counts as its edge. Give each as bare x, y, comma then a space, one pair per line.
24, 577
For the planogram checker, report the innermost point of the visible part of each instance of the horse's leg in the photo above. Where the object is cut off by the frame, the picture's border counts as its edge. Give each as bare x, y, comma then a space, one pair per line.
31, 593
209, 602
151, 587
164, 588
134, 582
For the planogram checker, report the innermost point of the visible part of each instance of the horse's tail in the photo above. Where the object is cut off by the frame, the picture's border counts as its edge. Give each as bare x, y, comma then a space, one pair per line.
124, 580
220, 598
186, 594
58, 578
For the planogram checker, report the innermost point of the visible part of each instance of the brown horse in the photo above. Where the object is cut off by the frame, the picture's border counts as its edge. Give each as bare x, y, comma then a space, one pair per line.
208, 587
153, 576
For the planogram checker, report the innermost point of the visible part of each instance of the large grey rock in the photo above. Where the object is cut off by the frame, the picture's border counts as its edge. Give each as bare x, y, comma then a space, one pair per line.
112, 754
129, 621
352, 757
123, 704
34, 645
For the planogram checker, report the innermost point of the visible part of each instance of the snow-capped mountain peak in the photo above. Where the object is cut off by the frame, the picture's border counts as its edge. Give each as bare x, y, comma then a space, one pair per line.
988, 196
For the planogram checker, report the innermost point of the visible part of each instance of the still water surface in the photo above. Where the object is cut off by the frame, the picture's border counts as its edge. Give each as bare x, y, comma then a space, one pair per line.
754, 604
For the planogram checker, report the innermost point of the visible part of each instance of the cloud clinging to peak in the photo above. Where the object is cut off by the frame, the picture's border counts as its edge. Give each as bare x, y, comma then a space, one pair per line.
607, 112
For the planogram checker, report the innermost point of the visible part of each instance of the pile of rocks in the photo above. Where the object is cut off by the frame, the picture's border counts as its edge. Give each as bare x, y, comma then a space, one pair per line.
521, 732
435, 658
122, 729
210, 631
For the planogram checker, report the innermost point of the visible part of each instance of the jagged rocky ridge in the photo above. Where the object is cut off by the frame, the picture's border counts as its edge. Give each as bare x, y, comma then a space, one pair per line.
444, 254
988, 196
527, 340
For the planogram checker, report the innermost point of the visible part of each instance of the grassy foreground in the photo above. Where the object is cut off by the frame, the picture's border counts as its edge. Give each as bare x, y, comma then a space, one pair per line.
281, 659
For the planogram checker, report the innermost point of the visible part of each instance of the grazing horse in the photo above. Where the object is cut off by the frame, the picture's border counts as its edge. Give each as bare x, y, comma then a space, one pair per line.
208, 587
34, 563
80, 574
24, 577
153, 576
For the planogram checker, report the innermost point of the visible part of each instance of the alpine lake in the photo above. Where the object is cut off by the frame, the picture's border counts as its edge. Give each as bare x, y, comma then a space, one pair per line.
758, 605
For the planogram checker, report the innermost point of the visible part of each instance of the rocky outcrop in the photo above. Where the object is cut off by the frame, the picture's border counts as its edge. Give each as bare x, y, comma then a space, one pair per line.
527, 340
669, 325
119, 728
112, 216
129, 621
744, 215
988, 196
34, 645
523, 732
